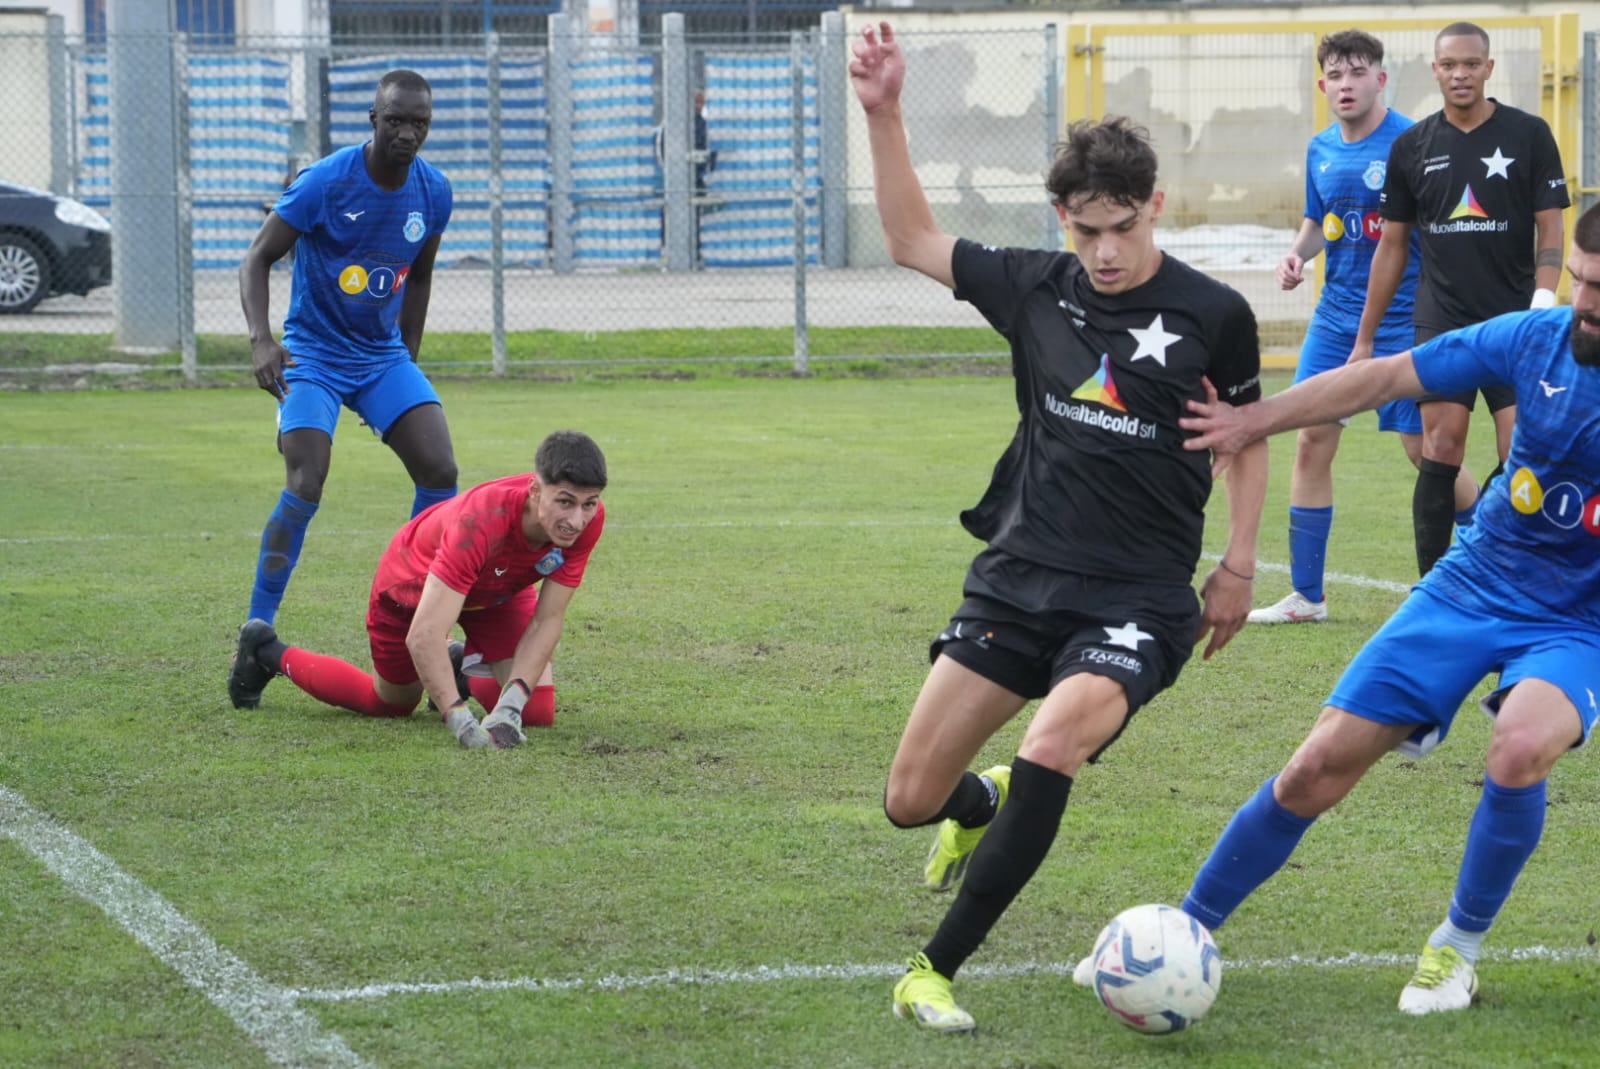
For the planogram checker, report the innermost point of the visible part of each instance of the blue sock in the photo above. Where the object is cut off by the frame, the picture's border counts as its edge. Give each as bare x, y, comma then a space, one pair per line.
1308, 549
1254, 845
281, 540
428, 496
1504, 832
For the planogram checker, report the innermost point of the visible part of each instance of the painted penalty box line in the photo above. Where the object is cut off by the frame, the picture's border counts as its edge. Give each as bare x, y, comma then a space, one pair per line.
770, 974
268, 1014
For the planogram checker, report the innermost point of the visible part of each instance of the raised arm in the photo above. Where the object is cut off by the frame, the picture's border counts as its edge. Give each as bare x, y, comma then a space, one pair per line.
878, 73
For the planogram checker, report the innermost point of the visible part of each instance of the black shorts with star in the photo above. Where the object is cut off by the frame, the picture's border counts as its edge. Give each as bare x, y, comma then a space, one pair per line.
1026, 628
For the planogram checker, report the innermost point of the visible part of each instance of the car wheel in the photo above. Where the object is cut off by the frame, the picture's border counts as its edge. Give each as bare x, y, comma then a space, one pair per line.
24, 274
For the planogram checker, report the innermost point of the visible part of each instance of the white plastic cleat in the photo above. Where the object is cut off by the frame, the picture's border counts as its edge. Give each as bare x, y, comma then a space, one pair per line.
1083, 973
1444, 980
1294, 609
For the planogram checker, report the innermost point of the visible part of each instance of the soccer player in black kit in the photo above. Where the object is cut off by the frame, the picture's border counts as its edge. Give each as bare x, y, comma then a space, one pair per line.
1481, 182
1083, 596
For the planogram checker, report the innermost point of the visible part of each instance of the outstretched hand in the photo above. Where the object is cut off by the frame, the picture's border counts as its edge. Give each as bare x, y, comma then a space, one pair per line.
878, 70
1224, 429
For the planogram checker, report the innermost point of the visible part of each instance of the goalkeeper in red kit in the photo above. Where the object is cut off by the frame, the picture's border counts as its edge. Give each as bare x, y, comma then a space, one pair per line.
503, 560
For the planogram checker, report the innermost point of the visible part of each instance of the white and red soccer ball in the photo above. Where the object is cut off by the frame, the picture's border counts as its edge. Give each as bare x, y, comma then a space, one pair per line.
1156, 969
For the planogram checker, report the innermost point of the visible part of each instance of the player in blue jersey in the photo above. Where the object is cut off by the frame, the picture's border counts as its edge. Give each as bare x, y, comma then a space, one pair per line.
1518, 594
1345, 167
365, 225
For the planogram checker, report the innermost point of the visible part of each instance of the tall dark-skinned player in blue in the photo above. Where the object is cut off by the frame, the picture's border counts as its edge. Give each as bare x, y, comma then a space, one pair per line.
365, 224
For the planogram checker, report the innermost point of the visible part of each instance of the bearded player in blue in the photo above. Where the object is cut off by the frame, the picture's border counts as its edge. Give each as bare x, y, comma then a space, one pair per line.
1518, 594
1345, 166
365, 224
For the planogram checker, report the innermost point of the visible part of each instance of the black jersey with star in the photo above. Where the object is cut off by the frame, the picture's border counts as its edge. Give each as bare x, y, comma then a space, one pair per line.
1471, 195
1096, 480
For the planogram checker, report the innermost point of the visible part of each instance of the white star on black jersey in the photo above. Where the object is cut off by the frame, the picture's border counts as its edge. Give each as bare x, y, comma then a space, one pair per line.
1498, 164
1153, 341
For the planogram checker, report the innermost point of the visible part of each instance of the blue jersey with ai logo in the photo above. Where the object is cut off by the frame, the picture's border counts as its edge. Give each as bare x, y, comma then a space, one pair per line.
1533, 550
1344, 183
358, 242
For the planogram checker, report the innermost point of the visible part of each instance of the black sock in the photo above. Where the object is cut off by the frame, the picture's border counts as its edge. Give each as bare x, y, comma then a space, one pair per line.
1011, 851
1433, 511
971, 805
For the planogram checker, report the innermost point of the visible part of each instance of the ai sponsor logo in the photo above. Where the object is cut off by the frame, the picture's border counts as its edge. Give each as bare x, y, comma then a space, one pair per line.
1564, 504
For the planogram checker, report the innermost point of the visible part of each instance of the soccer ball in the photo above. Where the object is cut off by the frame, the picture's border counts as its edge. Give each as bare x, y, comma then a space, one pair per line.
1156, 969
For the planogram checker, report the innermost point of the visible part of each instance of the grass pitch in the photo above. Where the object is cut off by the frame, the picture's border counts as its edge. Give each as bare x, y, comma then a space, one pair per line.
691, 868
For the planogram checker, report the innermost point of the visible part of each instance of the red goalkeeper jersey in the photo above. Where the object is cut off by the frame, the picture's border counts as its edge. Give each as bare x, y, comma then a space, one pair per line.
474, 544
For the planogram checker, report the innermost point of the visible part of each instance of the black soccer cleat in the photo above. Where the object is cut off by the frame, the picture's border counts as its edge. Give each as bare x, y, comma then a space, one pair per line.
247, 676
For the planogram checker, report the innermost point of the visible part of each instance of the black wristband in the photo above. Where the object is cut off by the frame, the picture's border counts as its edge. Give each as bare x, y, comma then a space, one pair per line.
1237, 575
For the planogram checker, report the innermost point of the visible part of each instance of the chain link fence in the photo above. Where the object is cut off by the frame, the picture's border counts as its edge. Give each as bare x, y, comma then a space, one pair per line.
583, 203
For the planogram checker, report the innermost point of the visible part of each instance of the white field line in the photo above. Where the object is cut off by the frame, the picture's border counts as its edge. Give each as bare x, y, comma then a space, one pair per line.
206, 536
264, 1012
768, 974
268, 1014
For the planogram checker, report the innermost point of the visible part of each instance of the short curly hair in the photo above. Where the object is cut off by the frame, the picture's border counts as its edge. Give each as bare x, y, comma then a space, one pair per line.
1110, 159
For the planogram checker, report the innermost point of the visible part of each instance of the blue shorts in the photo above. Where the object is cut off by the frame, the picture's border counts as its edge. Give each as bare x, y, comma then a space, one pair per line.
1409, 673
380, 394
1324, 350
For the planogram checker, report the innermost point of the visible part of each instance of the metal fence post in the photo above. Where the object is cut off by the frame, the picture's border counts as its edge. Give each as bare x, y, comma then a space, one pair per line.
833, 107
558, 89
797, 180
183, 193
497, 252
60, 106
677, 171
1589, 176
1052, 125
144, 216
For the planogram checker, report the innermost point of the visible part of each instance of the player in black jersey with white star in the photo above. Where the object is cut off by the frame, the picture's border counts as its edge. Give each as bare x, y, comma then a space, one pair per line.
1093, 517
1482, 185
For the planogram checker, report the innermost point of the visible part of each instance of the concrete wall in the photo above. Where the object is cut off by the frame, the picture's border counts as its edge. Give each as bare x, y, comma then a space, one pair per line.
25, 87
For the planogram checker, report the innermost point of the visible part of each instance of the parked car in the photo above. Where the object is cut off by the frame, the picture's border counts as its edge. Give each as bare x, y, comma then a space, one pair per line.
49, 245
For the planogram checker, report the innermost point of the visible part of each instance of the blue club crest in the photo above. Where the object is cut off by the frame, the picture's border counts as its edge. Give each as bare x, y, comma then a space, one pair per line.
550, 561
415, 228
1373, 176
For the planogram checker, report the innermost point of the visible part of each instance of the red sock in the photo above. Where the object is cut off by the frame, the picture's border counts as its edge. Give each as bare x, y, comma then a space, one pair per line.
336, 682
540, 712
485, 689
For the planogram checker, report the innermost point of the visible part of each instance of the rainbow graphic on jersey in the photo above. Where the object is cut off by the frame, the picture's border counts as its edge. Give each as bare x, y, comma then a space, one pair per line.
1101, 388
1468, 207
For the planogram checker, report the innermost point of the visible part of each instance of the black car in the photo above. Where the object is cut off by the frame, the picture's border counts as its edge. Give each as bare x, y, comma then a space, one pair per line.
49, 245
